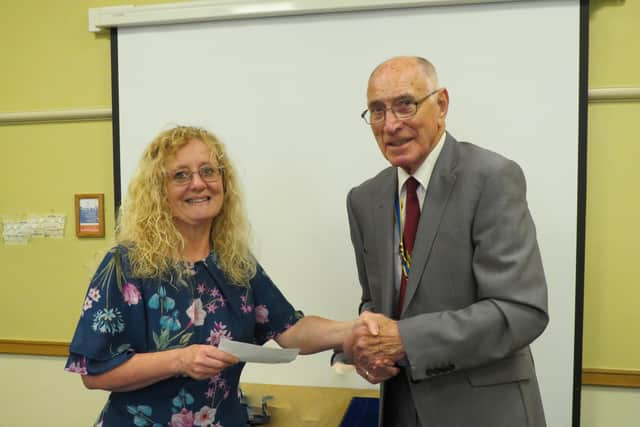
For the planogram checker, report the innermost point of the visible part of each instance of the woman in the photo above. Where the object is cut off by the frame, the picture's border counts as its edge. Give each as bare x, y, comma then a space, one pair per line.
181, 278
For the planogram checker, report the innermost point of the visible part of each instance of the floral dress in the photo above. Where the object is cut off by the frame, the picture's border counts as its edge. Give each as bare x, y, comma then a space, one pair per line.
123, 315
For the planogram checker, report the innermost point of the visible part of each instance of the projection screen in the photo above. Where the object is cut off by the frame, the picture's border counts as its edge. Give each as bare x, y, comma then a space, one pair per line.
284, 94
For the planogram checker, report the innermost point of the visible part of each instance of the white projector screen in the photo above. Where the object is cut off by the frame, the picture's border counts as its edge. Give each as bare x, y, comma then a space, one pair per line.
284, 94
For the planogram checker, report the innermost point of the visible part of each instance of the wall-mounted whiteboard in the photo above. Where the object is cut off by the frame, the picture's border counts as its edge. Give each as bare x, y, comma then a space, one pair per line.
284, 93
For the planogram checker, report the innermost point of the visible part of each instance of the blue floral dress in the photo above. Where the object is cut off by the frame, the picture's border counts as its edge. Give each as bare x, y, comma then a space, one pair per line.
123, 315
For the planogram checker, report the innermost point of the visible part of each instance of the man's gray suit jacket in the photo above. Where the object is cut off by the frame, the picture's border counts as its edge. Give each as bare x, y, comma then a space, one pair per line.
476, 294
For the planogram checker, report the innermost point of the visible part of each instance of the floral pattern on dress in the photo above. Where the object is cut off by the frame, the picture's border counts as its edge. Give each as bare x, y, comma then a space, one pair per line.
123, 315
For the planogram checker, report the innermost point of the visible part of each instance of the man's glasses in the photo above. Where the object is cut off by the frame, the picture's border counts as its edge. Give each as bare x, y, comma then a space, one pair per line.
403, 108
207, 173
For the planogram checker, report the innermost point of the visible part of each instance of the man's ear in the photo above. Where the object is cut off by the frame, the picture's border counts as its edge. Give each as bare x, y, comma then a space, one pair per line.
443, 102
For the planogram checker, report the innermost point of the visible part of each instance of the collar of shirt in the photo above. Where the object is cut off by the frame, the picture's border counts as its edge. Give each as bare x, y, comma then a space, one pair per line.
422, 174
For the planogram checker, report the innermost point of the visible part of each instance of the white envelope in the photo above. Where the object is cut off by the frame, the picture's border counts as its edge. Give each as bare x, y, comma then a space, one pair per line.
256, 353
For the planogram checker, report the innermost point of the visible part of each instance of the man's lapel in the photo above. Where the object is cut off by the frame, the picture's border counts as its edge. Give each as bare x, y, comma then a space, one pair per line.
440, 185
384, 219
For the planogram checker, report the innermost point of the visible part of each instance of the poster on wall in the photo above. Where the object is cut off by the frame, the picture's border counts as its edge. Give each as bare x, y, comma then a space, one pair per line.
89, 215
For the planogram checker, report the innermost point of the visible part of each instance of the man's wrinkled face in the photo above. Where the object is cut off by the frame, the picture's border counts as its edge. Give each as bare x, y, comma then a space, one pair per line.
406, 143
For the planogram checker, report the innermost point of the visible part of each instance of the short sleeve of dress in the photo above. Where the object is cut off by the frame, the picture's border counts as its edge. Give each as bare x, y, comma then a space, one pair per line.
110, 329
274, 314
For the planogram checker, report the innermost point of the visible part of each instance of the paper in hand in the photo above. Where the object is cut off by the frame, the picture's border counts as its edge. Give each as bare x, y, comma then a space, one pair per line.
258, 354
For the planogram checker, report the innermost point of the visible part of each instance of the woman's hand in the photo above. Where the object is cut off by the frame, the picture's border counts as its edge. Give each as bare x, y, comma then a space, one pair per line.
201, 361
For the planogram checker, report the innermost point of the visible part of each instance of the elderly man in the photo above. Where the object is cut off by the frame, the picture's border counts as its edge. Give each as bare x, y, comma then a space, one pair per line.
449, 267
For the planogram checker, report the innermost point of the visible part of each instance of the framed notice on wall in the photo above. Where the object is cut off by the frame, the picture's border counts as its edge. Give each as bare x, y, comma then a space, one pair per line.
89, 215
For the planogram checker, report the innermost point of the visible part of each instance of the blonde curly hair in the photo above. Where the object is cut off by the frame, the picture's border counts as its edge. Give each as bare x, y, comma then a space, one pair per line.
145, 221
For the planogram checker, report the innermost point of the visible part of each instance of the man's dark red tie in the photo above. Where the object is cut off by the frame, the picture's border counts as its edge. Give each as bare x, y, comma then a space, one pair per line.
411, 219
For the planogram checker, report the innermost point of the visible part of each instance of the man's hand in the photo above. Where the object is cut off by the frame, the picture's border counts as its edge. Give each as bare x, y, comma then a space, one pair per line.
385, 346
375, 346
377, 375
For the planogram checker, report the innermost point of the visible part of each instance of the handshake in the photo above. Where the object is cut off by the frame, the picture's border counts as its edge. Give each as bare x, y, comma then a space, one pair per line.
374, 346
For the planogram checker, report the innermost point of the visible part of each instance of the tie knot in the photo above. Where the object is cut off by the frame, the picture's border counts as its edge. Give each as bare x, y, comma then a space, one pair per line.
412, 185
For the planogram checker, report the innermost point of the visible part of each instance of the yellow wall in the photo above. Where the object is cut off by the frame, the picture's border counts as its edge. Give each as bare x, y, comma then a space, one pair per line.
46, 164
612, 269
613, 206
48, 60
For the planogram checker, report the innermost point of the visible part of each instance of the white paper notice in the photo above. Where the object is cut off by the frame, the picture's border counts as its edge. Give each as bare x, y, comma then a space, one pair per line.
16, 232
255, 353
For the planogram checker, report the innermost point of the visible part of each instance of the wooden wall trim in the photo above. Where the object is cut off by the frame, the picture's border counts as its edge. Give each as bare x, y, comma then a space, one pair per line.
52, 116
42, 348
590, 376
614, 94
611, 377
602, 94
